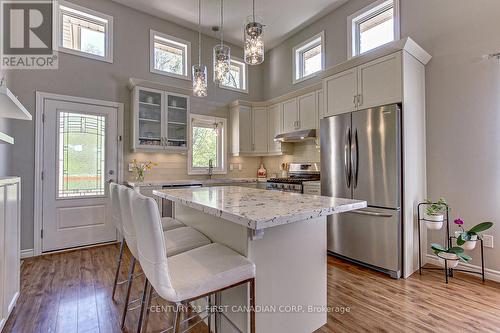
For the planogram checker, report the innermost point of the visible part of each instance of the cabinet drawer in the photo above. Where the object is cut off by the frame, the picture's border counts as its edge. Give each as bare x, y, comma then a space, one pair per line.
314, 190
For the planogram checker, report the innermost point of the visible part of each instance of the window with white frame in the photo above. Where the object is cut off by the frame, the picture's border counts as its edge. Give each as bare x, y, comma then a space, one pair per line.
207, 145
85, 32
170, 55
309, 58
237, 78
373, 26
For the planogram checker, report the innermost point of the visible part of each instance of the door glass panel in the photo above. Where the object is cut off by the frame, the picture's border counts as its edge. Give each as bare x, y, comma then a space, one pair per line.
81, 155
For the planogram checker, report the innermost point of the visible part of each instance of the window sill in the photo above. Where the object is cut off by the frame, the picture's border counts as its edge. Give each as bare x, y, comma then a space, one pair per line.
108, 59
173, 75
205, 172
310, 76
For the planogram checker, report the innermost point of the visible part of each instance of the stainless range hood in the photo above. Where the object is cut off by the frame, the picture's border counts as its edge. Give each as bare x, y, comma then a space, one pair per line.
297, 136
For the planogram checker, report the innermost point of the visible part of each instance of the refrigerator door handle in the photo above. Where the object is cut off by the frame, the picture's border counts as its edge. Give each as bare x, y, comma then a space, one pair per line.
355, 158
364, 212
347, 158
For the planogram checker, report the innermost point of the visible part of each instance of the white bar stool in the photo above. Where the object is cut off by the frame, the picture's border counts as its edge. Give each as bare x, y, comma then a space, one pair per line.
168, 223
180, 239
191, 275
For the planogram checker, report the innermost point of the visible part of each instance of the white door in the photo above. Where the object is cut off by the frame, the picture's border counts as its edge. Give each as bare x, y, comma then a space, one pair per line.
341, 90
308, 111
380, 82
290, 116
245, 128
259, 119
80, 156
274, 122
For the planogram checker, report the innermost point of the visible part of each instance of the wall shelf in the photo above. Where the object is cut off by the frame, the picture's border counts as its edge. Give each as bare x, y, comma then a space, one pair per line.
10, 106
6, 139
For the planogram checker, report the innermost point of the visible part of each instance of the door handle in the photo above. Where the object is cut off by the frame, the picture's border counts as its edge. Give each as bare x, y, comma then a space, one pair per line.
347, 158
368, 213
355, 159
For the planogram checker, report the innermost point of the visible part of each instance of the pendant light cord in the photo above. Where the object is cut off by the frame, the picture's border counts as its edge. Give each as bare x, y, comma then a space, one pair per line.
253, 10
221, 22
199, 32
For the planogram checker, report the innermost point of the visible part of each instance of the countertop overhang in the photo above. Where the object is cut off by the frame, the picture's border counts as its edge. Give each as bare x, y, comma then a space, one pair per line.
258, 209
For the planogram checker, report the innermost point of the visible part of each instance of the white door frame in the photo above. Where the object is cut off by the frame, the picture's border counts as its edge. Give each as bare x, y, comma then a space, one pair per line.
41, 97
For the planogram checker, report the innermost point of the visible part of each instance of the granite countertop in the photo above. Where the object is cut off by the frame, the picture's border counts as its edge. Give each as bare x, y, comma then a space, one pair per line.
192, 181
258, 209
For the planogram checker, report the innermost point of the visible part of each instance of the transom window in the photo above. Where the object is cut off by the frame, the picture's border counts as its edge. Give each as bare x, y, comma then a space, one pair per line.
308, 58
236, 79
170, 55
85, 32
207, 145
373, 26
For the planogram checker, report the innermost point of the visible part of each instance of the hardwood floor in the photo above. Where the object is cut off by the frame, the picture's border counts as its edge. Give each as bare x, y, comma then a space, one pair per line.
71, 292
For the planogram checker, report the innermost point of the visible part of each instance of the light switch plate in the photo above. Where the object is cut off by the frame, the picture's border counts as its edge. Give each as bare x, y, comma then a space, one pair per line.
488, 241
240, 167
231, 167
131, 167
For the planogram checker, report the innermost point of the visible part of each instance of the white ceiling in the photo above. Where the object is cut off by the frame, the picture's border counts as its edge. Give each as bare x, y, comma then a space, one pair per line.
281, 17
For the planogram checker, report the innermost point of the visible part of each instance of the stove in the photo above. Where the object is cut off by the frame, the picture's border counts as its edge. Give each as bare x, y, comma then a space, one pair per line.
298, 174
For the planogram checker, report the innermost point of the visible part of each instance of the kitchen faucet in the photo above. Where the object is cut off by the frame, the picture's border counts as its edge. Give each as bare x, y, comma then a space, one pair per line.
210, 168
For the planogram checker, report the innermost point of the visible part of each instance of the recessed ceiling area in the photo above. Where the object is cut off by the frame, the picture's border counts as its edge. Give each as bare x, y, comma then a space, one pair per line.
281, 17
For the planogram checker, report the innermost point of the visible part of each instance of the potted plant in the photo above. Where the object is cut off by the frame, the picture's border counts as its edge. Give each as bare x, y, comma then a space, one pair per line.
434, 214
452, 255
468, 238
139, 169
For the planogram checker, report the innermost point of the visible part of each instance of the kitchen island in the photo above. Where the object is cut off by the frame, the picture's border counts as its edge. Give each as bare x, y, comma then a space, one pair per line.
284, 234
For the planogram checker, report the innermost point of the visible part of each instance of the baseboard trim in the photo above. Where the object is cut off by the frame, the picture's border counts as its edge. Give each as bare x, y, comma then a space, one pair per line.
489, 274
28, 253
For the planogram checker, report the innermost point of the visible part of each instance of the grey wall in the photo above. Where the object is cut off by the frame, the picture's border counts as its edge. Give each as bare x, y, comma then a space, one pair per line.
82, 77
4, 150
463, 97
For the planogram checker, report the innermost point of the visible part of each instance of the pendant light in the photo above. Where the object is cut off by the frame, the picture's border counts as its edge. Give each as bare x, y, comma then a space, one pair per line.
199, 70
254, 42
222, 53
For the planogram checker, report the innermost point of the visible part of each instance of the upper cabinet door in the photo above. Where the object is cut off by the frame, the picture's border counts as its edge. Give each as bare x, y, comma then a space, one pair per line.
149, 119
380, 82
177, 121
290, 116
341, 90
320, 102
245, 129
308, 111
260, 132
274, 121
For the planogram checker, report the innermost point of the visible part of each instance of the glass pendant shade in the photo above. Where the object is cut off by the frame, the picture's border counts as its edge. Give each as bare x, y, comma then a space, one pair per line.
199, 80
222, 62
254, 43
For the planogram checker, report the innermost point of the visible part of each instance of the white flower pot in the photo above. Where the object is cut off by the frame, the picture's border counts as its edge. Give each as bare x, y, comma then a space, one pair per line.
470, 245
452, 259
434, 222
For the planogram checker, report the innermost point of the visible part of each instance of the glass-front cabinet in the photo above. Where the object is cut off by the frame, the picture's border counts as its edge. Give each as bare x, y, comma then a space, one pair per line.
159, 119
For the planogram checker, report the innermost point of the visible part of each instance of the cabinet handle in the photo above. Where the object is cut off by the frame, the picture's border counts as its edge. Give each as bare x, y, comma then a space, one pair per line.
355, 100
298, 124
360, 100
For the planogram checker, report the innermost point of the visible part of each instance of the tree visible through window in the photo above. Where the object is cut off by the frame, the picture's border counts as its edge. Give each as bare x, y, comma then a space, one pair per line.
168, 59
169, 55
236, 78
207, 143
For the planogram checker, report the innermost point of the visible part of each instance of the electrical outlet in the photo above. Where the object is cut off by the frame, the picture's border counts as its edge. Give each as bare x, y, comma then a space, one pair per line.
240, 167
231, 167
131, 167
488, 241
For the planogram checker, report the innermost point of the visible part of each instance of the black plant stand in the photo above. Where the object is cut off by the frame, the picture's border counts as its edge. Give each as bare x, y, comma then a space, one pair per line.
448, 271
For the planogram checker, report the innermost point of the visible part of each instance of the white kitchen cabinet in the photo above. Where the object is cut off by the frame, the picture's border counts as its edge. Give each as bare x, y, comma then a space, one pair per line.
274, 127
341, 90
9, 246
241, 130
260, 131
308, 111
290, 115
380, 82
320, 103
160, 120
375, 83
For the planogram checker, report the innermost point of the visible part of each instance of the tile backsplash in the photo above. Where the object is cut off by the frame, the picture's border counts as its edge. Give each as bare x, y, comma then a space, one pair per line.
302, 152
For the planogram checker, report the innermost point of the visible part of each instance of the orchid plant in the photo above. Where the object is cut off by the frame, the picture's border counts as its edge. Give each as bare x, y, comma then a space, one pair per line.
471, 234
456, 250
140, 168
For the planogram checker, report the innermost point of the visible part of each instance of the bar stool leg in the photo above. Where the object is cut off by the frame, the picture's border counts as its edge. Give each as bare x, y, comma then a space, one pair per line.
148, 308
209, 304
252, 306
143, 301
177, 317
118, 265
216, 314
129, 287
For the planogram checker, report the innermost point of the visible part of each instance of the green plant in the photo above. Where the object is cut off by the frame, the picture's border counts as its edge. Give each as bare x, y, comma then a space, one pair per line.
466, 235
436, 208
457, 250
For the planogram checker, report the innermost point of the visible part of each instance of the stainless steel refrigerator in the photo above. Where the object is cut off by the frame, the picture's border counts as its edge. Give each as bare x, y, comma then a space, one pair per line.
361, 159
